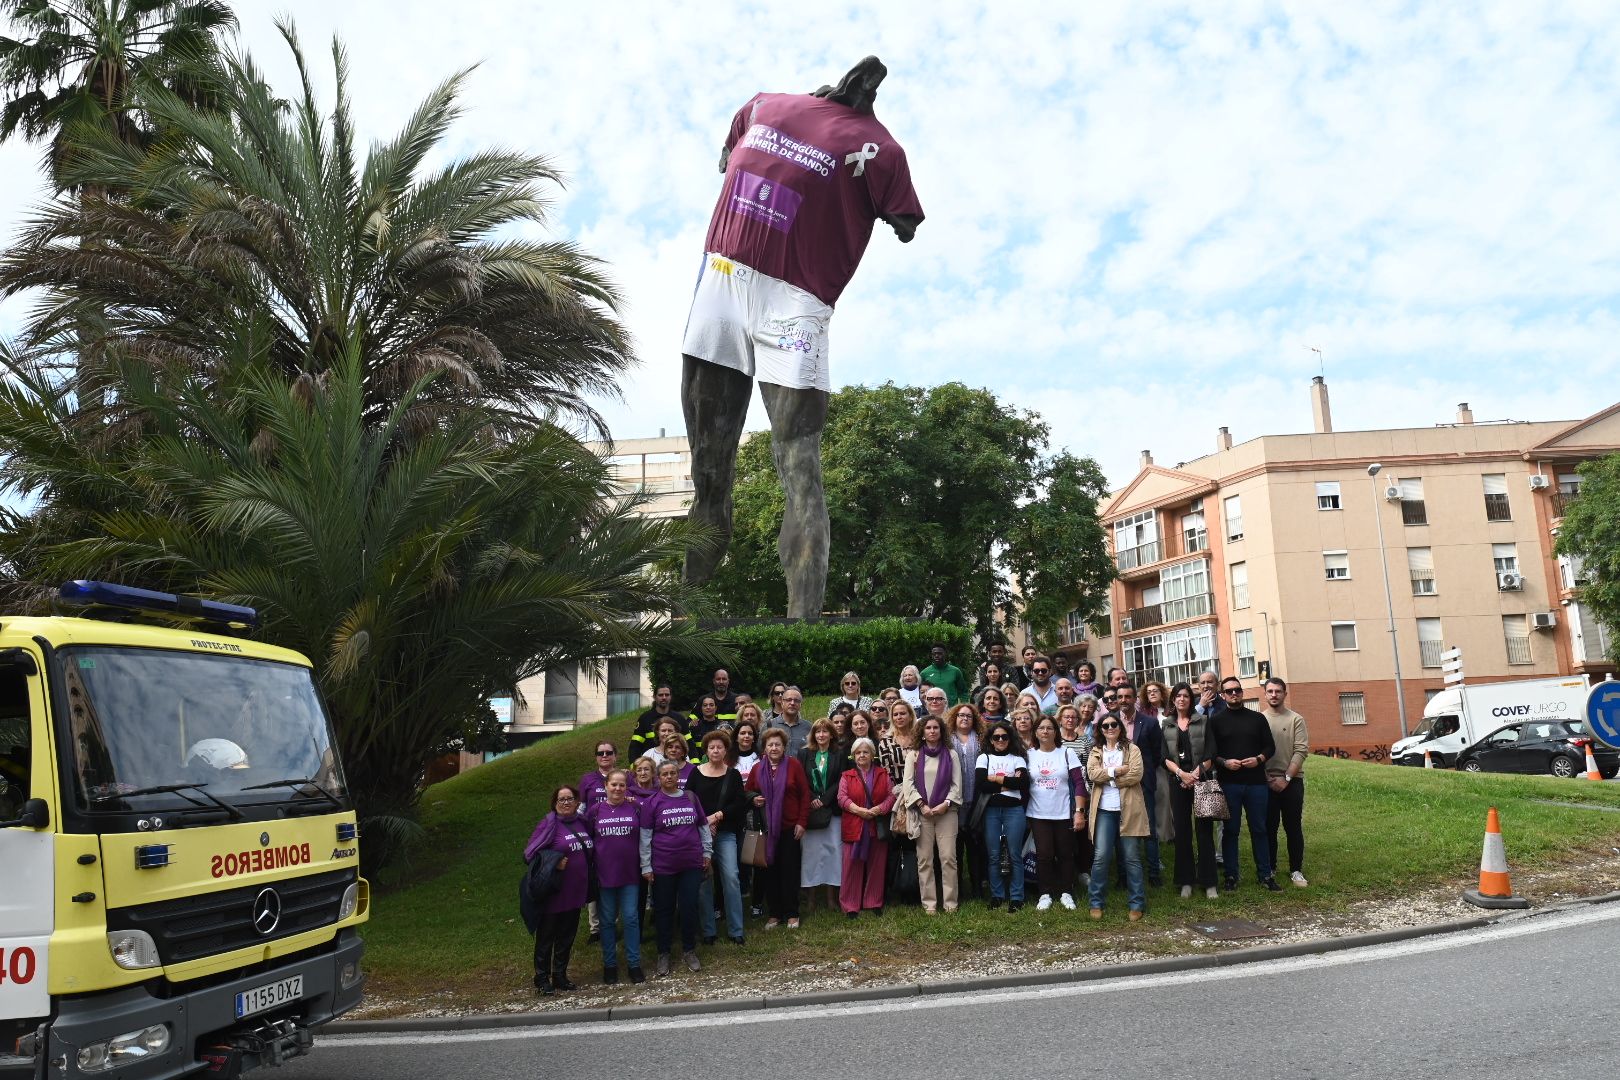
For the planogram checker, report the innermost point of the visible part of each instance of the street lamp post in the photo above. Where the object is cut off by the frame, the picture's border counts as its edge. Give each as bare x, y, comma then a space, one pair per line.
1389, 597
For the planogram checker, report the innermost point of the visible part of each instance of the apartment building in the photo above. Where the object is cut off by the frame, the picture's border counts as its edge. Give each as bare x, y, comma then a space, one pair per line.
1265, 556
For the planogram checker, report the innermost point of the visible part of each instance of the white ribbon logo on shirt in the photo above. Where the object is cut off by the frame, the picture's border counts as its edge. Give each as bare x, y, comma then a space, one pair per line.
860, 157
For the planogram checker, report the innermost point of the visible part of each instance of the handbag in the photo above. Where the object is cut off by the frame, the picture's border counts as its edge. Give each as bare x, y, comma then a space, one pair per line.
981, 803
1209, 801
755, 849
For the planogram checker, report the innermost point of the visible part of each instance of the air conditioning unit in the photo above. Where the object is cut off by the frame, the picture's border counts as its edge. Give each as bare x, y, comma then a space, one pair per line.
1393, 493
1538, 482
1543, 620
1509, 581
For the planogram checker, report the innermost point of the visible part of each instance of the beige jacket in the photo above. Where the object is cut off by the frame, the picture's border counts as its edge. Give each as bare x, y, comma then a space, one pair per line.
1133, 818
911, 792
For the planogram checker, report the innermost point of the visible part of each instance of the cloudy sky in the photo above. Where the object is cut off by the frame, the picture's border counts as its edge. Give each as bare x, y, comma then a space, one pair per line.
1142, 217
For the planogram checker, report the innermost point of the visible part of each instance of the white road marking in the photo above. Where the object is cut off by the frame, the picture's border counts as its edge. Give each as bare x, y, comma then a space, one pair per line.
1510, 928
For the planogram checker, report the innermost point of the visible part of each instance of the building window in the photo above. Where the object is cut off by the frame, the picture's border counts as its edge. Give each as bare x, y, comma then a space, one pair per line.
1233, 508
1074, 627
1516, 636
1413, 512
1571, 571
1496, 498
1337, 564
624, 684
1420, 564
1239, 573
1569, 483
1327, 495
1172, 656
1136, 540
1352, 709
1430, 643
1506, 558
1185, 590
1430, 695
1344, 636
562, 695
1244, 640
1589, 638
1194, 536
1105, 665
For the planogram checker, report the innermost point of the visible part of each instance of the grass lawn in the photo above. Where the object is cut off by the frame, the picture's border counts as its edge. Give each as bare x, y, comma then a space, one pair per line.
1371, 830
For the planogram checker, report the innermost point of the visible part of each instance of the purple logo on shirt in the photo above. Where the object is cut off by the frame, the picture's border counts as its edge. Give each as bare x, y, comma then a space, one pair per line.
758, 198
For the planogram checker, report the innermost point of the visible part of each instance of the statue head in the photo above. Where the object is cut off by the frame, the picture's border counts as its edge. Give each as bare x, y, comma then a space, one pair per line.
858, 87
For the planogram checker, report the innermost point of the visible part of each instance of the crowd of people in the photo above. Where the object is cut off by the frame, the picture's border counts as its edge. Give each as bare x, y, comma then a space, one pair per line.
1027, 781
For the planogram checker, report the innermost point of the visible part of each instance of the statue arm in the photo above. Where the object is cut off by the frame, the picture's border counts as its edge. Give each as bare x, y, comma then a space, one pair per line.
904, 225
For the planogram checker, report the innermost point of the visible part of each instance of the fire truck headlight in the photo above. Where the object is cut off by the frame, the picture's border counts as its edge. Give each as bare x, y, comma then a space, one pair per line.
133, 949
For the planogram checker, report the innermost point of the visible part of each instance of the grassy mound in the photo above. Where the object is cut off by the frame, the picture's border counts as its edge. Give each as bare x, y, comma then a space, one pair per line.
1371, 831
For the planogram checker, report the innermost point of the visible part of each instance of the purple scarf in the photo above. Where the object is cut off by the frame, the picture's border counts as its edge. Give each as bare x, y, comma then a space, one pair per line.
942, 775
774, 787
864, 844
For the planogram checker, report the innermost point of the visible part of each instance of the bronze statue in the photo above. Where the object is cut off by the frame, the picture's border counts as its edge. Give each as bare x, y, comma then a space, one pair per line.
806, 176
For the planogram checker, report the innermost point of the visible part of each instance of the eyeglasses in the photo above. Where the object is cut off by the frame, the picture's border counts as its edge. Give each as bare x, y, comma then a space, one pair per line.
880, 710
606, 753
1000, 736
1042, 670
1232, 690
1111, 726
565, 798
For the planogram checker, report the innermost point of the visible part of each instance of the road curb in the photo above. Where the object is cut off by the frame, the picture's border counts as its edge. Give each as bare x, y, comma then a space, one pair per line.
1136, 969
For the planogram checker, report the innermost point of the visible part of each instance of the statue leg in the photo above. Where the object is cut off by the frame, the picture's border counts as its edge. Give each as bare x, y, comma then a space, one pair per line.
714, 400
797, 418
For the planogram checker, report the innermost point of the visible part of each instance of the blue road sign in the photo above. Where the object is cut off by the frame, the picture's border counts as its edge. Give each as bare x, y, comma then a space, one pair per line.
1603, 712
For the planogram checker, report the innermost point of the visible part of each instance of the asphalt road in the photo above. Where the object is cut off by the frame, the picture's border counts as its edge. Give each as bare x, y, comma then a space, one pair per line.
1533, 997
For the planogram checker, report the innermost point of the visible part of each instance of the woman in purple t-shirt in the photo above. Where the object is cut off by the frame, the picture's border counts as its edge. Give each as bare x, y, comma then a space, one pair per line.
616, 823
675, 850
564, 830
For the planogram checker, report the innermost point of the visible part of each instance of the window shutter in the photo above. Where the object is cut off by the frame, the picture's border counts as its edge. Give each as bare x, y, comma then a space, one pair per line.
1495, 484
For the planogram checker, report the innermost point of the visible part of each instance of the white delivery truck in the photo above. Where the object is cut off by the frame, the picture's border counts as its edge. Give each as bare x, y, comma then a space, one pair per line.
1460, 716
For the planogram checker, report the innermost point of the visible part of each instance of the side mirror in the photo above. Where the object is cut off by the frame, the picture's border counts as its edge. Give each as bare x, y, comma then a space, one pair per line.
35, 815
18, 660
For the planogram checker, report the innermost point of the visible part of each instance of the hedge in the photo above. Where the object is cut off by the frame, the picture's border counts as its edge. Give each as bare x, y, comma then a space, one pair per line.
815, 655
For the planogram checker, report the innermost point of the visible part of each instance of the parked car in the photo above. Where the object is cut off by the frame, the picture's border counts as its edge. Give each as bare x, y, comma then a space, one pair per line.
1540, 746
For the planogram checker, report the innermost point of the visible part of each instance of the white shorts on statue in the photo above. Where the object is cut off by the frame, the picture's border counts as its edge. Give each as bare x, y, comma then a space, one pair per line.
758, 325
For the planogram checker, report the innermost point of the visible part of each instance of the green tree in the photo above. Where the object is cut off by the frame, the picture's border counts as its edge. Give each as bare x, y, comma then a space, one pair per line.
262, 218
75, 64
941, 501
334, 397
1591, 532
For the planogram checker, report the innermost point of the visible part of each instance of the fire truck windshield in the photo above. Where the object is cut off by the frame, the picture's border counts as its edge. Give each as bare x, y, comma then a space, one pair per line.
152, 727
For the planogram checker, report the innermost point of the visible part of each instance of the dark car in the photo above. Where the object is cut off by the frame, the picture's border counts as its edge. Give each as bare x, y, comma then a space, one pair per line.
1539, 746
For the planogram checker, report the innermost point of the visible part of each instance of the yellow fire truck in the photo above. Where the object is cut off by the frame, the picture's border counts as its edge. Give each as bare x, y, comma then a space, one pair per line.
180, 890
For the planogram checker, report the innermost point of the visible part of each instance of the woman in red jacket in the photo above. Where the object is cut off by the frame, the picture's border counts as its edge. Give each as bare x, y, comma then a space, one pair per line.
783, 791
867, 796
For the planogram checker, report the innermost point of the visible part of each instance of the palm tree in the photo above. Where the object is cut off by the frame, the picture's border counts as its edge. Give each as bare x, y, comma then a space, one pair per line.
76, 63
265, 208
423, 571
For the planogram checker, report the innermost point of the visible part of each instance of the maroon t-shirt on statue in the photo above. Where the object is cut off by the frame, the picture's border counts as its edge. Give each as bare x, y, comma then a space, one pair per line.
806, 179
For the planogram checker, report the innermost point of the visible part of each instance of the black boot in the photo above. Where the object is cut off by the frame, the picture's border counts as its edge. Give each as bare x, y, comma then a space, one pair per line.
559, 979
542, 985
610, 975
637, 975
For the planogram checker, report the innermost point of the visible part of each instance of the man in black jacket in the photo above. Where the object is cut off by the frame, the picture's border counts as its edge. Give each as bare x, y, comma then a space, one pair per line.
647, 725
1240, 745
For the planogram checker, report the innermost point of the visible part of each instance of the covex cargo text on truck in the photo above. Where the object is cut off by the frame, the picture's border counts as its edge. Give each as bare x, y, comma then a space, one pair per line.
182, 888
1462, 715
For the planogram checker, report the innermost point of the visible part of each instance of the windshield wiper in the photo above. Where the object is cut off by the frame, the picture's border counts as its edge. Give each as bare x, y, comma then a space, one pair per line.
297, 783
180, 790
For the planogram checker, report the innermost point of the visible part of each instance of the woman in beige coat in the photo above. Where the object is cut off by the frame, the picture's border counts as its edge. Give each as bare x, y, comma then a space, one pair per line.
933, 785
1118, 814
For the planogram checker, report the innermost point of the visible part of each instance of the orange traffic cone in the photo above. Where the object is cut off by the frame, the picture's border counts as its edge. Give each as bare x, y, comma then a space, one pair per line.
1495, 890
1591, 764
1428, 759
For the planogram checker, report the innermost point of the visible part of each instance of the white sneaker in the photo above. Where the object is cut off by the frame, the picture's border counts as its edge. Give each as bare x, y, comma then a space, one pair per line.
1186, 891
1044, 902
1298, 879
1213, 893
1067, 901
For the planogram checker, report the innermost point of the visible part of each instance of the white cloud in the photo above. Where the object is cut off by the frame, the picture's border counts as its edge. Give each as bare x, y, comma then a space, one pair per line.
1143, 210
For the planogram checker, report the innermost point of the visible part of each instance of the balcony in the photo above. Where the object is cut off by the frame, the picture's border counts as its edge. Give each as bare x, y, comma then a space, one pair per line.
1562, 499
1187, 607
1429, 652
1142, 555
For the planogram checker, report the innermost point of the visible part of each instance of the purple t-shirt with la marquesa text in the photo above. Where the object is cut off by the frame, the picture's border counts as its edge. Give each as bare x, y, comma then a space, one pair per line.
571, 837
677, 842
618, 843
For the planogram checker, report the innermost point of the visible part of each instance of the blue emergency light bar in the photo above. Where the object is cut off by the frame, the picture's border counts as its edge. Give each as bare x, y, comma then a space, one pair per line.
103, 594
